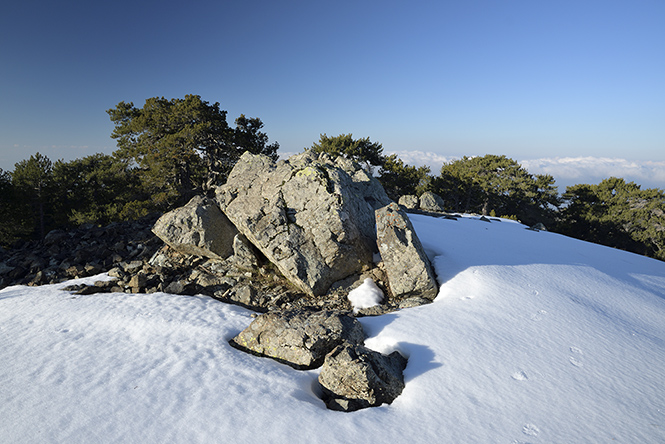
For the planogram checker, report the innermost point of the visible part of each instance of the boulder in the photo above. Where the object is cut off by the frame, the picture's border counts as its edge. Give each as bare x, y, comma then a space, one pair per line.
410, 202
431, 202
405, 263
354, 377
198, 228
310, 215
297, 337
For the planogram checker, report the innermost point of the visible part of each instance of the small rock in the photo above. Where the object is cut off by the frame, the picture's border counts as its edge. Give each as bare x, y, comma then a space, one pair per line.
354, 377
409, 202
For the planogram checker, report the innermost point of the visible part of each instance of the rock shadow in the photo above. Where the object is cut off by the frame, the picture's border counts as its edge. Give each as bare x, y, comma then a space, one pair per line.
421, 359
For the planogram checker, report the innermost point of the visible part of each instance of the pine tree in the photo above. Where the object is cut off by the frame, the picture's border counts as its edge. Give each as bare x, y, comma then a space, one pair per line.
33, 180
370, 154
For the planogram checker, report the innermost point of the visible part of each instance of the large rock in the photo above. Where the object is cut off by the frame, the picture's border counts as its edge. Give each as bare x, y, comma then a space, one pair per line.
354, 377
410, 202
198, 228
405, 263
431, 202
312, 216
299, 338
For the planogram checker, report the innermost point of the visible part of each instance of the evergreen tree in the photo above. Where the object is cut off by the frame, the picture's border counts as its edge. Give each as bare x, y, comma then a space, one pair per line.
96, 189
16, 219
399, 179
616, 213
500, 185
33, 180
183, 145
360, 150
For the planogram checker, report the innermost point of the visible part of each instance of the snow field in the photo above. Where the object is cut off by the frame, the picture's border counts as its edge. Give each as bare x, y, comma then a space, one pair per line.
534, 338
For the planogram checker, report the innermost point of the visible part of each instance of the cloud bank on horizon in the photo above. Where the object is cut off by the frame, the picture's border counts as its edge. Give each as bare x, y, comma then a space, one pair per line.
566, 171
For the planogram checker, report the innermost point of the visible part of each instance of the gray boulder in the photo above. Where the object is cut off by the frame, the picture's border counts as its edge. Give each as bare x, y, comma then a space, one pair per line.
297, 337
354, 377
410, 202
310, 215
405, 263
431, 202
199, 228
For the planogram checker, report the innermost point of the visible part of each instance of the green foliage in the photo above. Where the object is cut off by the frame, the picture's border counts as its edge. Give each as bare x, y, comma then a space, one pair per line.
616, 213
399, 179
483, 184
183, 145
94, 189
16, 220
33, 181
360, 150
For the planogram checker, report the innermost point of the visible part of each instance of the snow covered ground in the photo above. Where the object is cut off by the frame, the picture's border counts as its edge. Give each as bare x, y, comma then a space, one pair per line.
534, 338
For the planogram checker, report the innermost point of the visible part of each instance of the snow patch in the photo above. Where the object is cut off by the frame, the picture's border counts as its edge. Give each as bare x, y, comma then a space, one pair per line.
366, 296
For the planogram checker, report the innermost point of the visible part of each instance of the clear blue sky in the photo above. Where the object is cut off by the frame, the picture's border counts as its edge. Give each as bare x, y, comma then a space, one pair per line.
528, 79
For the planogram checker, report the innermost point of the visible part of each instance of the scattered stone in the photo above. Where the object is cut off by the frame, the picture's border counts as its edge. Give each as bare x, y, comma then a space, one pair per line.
538, 227
299, 338
354, 377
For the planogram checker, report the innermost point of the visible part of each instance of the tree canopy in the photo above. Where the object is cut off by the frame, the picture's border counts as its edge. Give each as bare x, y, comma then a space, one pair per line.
33, 179
399, 179
497, 184
618, 214
360, 150
183, 145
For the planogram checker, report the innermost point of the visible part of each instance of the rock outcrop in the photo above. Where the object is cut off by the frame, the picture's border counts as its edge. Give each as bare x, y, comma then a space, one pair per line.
405, 262
312, 216
289, 239
199, 228
299, 338
354, 377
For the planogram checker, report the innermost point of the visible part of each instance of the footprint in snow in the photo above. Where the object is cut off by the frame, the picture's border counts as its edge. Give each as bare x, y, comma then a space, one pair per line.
530, 429
538, 316
519, 376
576, 359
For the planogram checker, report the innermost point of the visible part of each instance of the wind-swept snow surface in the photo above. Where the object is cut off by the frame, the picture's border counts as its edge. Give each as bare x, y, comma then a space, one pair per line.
534, 338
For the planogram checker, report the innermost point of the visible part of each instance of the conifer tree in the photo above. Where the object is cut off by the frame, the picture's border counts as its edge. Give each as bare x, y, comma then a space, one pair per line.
183, 145
33, 179
360, 150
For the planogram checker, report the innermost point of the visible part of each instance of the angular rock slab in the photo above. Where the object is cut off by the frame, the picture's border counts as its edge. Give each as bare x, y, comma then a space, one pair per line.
199, 228
431, 202
405, 263
311, 215
354, 377
299, 338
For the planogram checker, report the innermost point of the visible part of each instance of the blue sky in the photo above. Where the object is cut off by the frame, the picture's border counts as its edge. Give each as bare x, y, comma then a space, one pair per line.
531, 79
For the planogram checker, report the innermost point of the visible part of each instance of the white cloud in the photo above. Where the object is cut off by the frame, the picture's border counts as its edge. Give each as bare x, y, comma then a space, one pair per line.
421, 158
572, 170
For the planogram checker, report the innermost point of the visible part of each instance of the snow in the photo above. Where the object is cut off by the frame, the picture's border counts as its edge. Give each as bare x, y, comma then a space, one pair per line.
534, 338
367, 295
